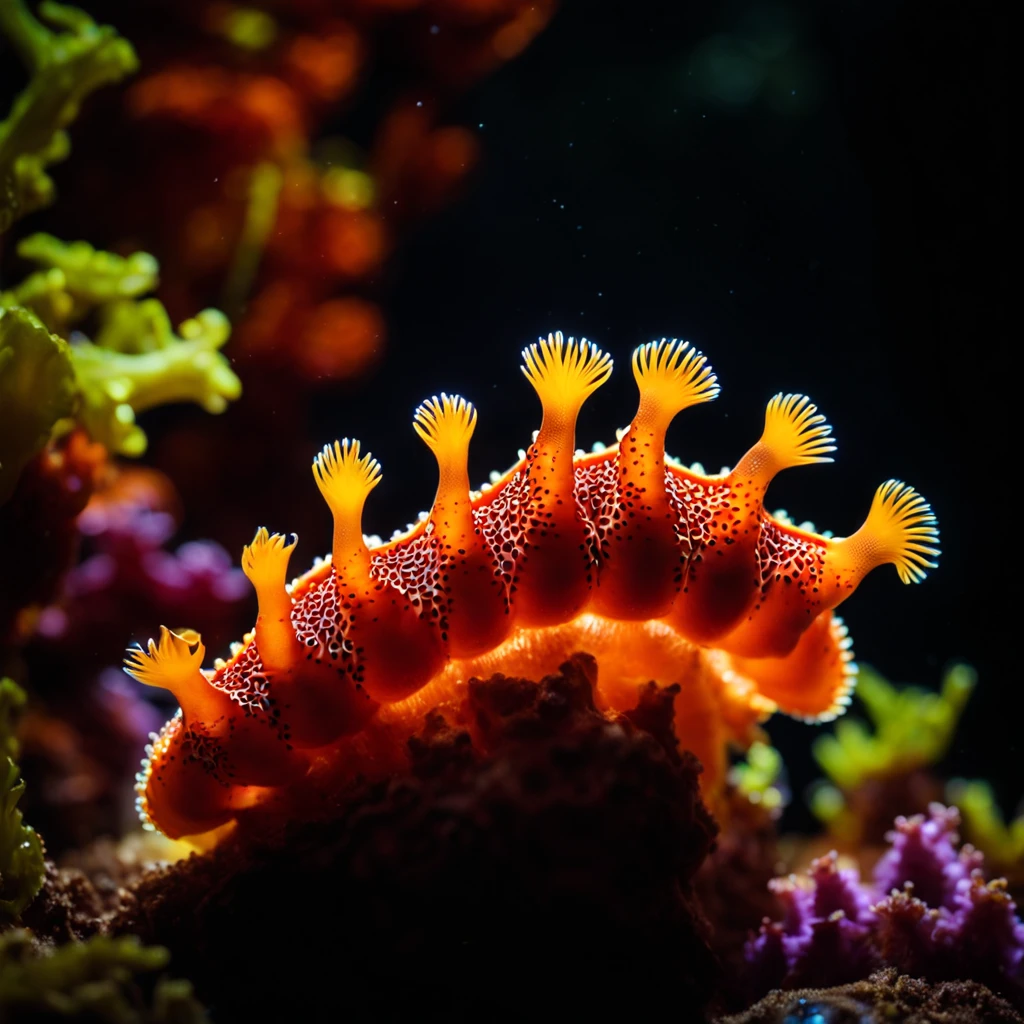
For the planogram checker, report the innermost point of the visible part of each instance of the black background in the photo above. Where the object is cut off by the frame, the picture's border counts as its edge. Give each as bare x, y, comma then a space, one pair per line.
817, 196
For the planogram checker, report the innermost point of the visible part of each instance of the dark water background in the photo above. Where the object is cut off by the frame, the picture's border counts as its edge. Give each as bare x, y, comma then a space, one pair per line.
817, 195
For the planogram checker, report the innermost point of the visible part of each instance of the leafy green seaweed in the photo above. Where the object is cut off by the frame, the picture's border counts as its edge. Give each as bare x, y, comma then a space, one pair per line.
758, 777
137, 361
985, 827
910, 729
21, 850
12, 700
102, 980
37, 390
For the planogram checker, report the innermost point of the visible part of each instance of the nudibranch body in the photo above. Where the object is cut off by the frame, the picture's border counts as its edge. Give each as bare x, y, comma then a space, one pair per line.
660, 572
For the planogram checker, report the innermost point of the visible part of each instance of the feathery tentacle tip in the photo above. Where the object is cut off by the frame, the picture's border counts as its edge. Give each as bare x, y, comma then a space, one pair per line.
342, 472
676, 363
566, 369
445, 419
905, 522
795, 429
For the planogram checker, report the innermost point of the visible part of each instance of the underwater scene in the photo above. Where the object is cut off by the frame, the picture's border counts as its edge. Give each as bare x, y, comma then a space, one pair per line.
494, 515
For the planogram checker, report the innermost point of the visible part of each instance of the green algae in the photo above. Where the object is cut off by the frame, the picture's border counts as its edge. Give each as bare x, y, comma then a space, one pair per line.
103, 979
21, 849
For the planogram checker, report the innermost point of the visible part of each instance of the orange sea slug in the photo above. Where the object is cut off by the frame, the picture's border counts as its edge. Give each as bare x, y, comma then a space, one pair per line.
660, 572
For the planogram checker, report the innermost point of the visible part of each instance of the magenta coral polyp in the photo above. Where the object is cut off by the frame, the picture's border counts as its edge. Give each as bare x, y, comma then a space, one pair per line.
929, 912
924, 854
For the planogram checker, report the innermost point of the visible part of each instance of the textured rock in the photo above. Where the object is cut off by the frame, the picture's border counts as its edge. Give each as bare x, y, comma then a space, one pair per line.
885, 996
552, 868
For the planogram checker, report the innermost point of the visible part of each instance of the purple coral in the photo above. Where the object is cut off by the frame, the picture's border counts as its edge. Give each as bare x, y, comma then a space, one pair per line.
129, 577
928, 912
823, 933
923, 853
90, 722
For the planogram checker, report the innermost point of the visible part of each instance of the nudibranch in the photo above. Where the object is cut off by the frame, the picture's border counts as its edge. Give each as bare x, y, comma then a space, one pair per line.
660, 572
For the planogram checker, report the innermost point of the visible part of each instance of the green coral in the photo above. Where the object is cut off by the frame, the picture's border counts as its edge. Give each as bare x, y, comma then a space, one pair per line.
65, 64
911, 728
76, 278
115, 385
758, 777
37, 390
21, 850
1002, 842
101, 980
136, 361
12, 700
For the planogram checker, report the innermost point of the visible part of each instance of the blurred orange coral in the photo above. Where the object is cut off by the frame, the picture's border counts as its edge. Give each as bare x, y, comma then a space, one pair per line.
342, 337
254, 115
332, 221
334, 339
325, 67
264, 98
